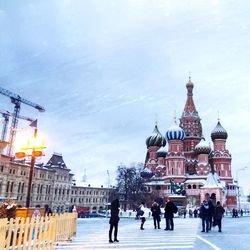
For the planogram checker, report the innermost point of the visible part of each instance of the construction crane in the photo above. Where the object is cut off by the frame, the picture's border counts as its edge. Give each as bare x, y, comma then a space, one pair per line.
6, 114
16, 100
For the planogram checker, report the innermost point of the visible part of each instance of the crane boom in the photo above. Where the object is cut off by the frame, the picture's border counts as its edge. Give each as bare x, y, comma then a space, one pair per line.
17, 100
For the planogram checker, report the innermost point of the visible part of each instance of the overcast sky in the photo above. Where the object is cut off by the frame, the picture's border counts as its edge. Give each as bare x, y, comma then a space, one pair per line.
105, 69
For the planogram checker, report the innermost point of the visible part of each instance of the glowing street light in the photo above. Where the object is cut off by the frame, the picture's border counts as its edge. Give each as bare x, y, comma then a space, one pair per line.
32, 149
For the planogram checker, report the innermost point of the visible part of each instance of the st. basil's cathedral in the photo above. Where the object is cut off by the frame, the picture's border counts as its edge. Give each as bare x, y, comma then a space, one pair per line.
189, 170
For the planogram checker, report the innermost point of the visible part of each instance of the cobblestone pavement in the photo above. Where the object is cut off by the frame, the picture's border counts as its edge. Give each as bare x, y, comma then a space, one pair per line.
93, 234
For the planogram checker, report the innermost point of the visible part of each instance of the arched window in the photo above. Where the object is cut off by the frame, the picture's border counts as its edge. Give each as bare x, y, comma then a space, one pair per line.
194, 186
189, 186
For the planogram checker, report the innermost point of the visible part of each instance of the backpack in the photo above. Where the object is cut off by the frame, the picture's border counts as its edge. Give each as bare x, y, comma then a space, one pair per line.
140, 212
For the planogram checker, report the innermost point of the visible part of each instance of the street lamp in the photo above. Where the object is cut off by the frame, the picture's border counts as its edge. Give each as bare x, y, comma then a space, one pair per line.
32, 150
238, 187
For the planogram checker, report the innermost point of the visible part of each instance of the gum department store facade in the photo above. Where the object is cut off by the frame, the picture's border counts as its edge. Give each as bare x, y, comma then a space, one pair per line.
190, 162
52, 185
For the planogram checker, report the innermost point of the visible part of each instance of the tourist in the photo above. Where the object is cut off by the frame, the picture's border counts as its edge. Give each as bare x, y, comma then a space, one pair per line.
156, 213
210, 214
184, 213
195, 213
140, 214
204, 215
219, 211
170, 210
36, 213
114, 219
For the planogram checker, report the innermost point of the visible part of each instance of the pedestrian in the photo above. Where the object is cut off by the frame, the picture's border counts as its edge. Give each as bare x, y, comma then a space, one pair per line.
204, 215
36, 213
219, 211
185, 213
156, 213
195, 213
141, 214
241, 212
190, 213
170, 210
114, 219
210, 214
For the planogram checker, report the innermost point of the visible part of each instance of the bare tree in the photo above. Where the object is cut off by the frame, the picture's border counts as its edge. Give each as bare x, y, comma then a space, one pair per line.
130, 185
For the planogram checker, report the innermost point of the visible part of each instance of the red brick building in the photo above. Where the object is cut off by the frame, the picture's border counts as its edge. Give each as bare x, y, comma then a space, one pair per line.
188, 168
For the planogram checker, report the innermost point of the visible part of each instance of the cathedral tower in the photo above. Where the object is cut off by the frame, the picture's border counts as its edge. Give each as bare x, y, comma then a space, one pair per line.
190, 123
175, 156
220, 157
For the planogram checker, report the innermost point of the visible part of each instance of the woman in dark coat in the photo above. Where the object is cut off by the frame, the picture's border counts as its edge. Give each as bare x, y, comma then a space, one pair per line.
219, 211
170, 210
114, 219
156, 213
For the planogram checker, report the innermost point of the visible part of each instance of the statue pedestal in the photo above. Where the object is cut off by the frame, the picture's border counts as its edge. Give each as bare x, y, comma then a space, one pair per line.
179, 200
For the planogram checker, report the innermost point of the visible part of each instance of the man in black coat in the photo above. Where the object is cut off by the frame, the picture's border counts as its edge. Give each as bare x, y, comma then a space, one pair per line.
170, 210
211, 214
114, 219
204, 214
219, 211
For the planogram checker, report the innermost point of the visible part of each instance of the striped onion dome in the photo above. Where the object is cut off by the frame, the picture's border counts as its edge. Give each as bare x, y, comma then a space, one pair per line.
202, 147
175, 133
161, 152
156, 139
219, 132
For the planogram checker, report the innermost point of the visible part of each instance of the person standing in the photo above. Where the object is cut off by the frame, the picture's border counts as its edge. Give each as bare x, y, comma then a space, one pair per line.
219, 211
156, 213
140, 214
184, 213
170, 210
204, 214
114, 219
210, 214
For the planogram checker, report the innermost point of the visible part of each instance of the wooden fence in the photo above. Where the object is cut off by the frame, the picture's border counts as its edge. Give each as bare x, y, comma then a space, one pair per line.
36, 233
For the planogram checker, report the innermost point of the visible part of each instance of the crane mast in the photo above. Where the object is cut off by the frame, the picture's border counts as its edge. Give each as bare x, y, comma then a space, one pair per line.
16, 100
6, 114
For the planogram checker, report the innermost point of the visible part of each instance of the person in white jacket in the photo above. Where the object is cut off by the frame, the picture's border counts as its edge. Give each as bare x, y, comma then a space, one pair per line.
140, 214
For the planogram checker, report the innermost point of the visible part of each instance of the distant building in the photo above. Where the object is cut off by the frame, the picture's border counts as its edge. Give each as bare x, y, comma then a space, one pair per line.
52, 186
189, 170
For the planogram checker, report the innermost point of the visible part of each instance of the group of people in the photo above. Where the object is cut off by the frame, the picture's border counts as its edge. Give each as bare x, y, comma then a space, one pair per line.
210, 215
170, 209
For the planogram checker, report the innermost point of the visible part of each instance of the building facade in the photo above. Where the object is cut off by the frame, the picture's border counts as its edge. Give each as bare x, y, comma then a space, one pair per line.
53, 186
188, 169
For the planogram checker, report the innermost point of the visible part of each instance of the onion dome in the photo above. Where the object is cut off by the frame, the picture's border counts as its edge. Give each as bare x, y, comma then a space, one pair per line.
156, 139
202, 147
219, 132
175, 133
161, 152
147, 173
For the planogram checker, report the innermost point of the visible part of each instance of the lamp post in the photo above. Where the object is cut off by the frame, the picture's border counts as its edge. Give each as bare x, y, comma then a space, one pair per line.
238, 187
35, 152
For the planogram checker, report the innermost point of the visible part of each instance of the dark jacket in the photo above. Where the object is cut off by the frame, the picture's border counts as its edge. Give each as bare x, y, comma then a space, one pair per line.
114, 219
170, 210
219, 211
156, 211
204, 211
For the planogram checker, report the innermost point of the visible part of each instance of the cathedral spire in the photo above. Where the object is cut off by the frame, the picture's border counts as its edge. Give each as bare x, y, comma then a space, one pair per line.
189, 109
